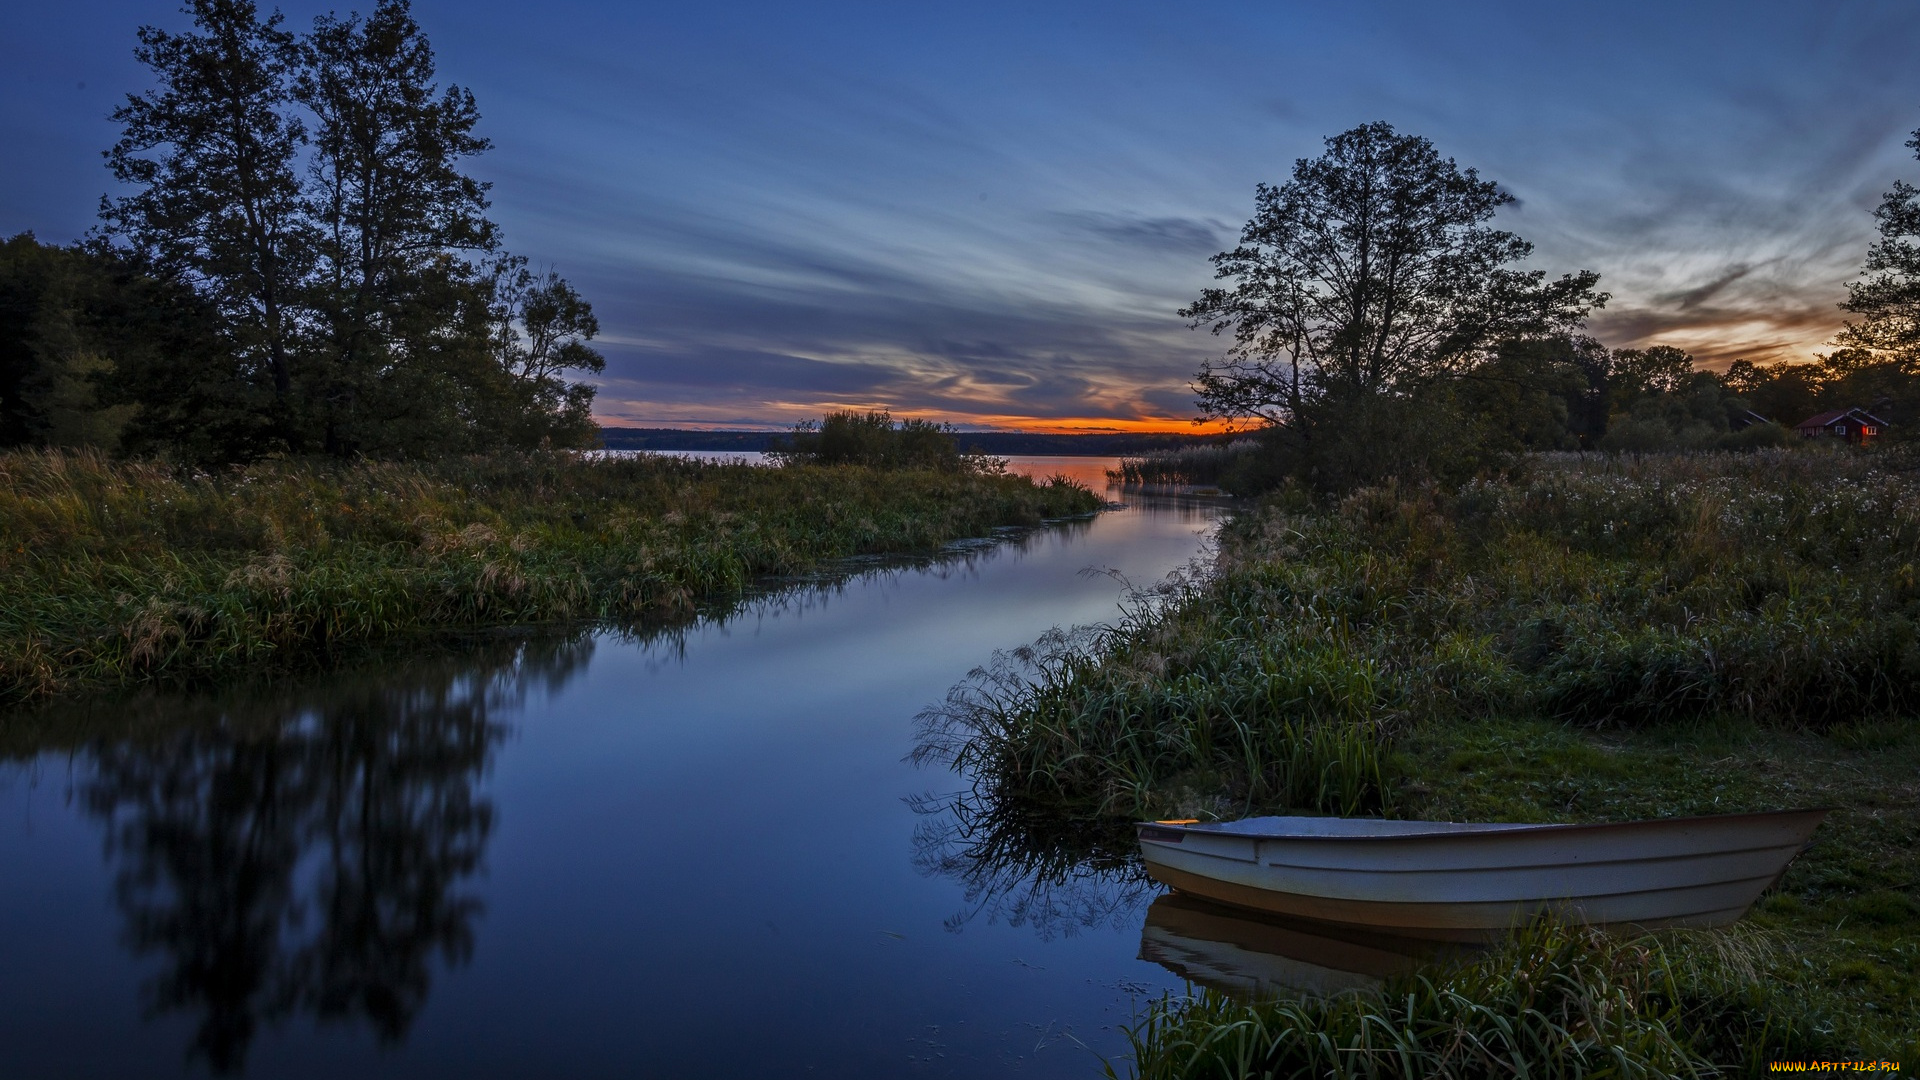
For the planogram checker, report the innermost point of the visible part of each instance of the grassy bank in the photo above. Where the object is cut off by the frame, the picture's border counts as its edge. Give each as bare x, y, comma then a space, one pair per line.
1552, 1002
1596, 638
118, 572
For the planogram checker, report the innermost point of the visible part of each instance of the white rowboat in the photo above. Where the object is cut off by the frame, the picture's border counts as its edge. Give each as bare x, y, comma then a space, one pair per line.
1474, 882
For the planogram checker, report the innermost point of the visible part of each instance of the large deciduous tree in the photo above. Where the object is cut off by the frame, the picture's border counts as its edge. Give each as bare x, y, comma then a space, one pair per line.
396, 217
314, 188
211, 152
1888, 300
1371, 274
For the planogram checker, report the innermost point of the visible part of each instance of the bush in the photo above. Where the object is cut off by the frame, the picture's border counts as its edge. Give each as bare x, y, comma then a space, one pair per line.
874, 440
1598, 590
1347, 443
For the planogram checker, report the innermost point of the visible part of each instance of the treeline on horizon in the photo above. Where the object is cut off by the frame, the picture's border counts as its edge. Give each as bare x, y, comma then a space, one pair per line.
974, 442
299, 266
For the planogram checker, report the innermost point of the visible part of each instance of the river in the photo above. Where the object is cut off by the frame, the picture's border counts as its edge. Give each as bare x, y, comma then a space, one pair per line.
688, 852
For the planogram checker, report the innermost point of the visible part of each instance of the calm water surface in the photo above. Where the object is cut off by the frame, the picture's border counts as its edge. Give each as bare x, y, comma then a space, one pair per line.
692, 853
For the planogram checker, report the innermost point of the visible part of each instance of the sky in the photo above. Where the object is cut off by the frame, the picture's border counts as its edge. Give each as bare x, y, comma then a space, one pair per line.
987, 214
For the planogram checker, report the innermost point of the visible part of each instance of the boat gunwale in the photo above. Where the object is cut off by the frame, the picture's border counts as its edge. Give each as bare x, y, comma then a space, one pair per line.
1504, 829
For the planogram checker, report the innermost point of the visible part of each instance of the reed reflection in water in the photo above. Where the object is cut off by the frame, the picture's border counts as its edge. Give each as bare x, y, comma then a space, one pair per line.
1028, 869
317, 859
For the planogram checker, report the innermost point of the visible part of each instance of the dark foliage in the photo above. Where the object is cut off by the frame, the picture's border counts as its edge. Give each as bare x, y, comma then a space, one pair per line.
875, 440
309, 192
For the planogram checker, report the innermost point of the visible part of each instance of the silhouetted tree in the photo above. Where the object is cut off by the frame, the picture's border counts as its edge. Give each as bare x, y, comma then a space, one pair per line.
1371, 272
540, 329
314, 190
211, 152
1888, 300
1635, 373
96, 351
396, 220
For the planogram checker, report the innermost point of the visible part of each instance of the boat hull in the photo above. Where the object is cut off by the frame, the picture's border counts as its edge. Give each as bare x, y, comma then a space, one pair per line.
1474, 883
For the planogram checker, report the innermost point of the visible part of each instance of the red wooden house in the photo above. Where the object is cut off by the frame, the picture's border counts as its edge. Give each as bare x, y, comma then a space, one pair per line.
1853, 425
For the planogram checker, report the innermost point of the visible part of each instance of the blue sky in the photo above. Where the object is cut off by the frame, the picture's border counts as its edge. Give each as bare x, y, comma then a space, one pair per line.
988, 213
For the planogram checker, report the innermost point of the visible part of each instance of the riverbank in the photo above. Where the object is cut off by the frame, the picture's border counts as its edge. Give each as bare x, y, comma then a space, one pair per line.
126, 572
1595, 638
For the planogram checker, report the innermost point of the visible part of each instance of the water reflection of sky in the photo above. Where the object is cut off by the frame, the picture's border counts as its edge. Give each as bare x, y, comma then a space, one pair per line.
692, 853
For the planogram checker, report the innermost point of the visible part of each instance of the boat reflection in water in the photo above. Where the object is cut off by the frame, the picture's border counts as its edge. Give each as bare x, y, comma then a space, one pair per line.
1246, 954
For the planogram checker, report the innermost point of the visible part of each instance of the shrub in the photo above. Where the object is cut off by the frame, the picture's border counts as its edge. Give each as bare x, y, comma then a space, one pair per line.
874, 440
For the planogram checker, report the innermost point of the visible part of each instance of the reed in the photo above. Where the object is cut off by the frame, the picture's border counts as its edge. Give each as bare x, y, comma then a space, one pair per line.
1189, 465
1174, 704
119, 572
1606, 592
1555, 1001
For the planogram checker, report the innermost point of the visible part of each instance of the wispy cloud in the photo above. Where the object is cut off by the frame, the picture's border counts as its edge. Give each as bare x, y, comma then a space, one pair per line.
990, 214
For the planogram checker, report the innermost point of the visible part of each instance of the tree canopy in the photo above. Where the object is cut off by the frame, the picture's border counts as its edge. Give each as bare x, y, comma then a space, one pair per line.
1372, 271
312, 190
1887, 300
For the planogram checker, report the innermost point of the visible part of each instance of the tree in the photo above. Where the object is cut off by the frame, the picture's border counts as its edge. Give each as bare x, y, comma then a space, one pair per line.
212, 152
314, 190
1888, 300
873, 439
1536, 394
96, 351
1635, 373
394, 213
1372, 272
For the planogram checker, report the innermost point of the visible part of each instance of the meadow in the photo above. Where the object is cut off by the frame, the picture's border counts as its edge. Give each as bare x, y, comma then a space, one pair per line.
122, 572
1585, 638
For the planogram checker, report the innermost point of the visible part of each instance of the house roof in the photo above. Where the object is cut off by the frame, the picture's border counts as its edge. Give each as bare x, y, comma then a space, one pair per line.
1834, 416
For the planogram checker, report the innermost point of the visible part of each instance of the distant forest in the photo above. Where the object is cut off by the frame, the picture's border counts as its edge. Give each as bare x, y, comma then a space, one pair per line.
998, 443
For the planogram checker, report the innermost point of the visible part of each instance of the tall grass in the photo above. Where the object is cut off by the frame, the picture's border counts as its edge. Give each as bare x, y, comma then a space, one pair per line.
1555, 1001
1208, 464
1603, 591
117, 572
1178, 701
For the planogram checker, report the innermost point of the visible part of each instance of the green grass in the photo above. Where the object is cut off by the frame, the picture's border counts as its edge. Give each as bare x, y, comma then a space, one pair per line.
1588, 638
1552, 1002
124, 572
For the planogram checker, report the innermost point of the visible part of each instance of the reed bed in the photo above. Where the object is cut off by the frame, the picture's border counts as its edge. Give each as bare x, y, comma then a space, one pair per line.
120, 572
1189, 465
1602, 591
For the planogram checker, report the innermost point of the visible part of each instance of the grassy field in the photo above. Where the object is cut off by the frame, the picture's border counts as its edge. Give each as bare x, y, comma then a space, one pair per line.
124, 572
1594, 638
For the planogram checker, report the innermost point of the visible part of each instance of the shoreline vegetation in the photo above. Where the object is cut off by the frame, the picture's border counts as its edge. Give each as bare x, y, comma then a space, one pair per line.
121, 572
1585, 637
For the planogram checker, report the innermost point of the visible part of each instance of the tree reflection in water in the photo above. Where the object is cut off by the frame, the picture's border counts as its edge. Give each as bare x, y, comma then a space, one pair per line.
1026, 867
312, 855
